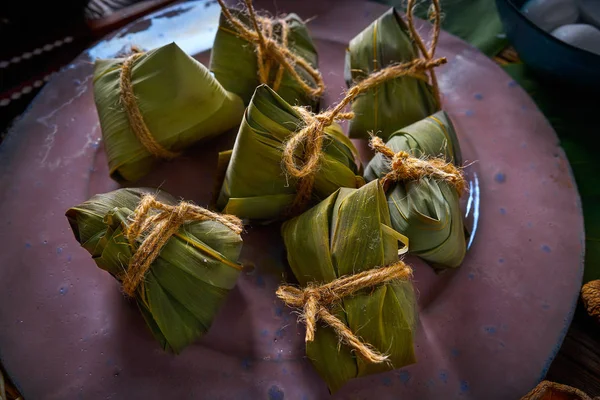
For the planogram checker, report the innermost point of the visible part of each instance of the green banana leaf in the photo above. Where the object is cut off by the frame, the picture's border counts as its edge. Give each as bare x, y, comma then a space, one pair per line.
393, 104
255, 184
233, 60
185, 285
475, 21
348, 233
426, 211
179, 99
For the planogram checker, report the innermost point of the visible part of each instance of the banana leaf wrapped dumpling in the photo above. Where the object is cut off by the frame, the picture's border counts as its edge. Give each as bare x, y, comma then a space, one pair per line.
398, 102
153, 105
346, 237
255, 184
178, 261
240, 61
426, 210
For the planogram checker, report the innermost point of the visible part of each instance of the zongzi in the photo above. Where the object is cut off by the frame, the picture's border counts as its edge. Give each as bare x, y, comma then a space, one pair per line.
250, 50
178, 261
344, 253
427, 209
153, 105
256, 185
398, 102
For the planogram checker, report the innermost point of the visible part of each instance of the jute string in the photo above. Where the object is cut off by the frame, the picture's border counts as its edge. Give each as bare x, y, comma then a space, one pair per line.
404, 167
270, 51
315, 302
134, 115
590, 294
157, 222
309, 140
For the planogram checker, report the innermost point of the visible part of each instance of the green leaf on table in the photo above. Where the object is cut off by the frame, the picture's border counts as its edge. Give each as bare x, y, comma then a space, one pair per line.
475, 21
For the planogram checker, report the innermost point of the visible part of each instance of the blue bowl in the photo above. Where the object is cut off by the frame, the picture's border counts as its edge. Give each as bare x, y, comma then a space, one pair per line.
545, 53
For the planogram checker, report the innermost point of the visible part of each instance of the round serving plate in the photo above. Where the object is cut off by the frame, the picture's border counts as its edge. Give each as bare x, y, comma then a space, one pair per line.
487, 330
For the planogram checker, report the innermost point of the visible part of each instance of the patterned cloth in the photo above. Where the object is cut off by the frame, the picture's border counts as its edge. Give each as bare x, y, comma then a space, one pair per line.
40, 44
97, 9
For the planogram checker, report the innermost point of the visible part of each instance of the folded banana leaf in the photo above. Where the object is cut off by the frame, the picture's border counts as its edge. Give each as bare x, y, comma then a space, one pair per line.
427, 211
180, 101
255, 184
345, 234
393, 104
233, 60
185, 286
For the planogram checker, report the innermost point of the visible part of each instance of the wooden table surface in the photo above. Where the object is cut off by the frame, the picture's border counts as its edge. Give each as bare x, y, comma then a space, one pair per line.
577, 363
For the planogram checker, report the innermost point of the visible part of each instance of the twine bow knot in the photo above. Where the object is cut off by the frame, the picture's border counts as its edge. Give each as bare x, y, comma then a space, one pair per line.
315, 302
156, 222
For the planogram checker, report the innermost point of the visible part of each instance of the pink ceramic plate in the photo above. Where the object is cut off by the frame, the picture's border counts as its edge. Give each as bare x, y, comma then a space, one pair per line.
487, 331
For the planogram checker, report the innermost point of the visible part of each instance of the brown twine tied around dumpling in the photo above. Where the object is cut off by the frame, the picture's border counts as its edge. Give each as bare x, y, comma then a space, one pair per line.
308, 142
590, 294
315, 301
157, 228
310, 139
270, 51
134, 115
404, 167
